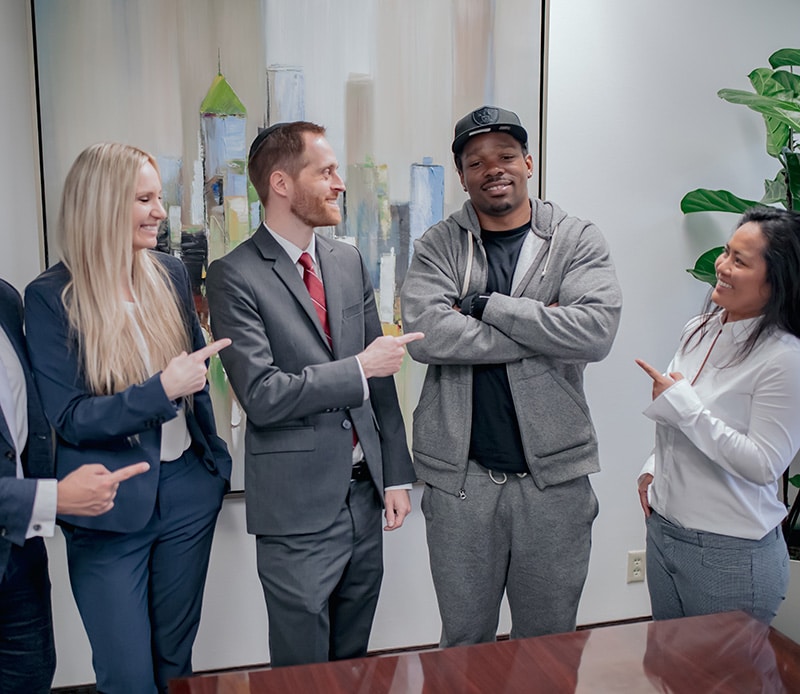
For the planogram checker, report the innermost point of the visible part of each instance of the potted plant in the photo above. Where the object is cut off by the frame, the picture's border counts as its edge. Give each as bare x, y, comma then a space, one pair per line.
776, 96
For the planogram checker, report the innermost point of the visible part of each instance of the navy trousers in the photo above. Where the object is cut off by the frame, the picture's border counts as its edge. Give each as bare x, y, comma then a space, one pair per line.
140, 594
27, 650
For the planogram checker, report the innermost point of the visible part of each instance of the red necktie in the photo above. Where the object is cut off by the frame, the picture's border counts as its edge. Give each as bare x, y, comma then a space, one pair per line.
317, 292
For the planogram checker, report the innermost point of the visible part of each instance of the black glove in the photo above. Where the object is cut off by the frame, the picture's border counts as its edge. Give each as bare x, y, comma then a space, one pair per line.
474, 304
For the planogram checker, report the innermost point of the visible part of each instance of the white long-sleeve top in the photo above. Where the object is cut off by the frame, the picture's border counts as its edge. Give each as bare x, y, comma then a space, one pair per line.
723, 443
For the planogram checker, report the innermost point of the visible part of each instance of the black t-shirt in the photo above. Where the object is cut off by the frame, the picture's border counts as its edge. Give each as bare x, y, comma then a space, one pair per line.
495, 441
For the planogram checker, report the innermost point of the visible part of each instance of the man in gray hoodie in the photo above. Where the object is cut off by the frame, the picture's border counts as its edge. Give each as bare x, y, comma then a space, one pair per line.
515, 297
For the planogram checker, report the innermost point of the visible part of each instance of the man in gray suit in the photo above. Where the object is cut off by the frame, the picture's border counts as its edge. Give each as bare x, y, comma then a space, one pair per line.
325, 445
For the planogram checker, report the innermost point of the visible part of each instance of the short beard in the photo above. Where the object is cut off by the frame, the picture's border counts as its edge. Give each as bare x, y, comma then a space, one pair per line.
314, 213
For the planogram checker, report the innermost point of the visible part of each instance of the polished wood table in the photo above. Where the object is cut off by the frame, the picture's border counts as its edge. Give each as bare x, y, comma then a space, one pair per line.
716, 653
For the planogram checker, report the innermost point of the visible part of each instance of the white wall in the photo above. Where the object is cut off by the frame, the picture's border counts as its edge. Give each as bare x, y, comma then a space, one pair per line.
633, 123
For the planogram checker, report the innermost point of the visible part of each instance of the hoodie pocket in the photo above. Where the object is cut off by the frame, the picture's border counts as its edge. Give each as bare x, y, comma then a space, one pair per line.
553, 417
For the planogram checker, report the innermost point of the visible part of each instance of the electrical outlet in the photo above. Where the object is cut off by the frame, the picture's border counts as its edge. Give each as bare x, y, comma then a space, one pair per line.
636, 566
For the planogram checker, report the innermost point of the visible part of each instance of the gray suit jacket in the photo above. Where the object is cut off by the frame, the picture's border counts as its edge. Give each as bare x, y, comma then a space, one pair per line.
301, 398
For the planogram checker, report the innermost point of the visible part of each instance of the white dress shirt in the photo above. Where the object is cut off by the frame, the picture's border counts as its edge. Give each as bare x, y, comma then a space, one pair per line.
14, 404
723, 443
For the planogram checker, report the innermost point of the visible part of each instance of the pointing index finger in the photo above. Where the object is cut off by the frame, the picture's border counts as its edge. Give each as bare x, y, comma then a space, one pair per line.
211, 349
649, 370
409, 337
125, 473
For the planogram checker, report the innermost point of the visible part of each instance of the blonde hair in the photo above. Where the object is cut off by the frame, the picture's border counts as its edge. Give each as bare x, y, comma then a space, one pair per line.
96, 228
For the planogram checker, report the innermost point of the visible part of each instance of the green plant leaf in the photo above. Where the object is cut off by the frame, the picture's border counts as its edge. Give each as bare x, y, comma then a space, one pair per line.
766, 105
705, 200
795, 480
793, 178
704, 269
789, 81
778, 135
773, 83
779, 83
775, 190
757, 101
763, 82
785, 57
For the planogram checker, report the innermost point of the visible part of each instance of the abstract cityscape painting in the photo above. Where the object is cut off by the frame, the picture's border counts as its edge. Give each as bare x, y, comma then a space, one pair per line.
192, 81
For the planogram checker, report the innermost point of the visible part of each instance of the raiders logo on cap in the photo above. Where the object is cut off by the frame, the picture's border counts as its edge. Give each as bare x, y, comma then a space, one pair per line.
486, 115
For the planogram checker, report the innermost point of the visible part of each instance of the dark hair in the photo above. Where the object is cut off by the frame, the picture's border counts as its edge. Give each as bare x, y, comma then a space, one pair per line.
457, 157
781, 231
281, 148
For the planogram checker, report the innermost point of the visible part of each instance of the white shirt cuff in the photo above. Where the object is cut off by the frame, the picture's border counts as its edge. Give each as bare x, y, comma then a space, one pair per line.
43, 517
397, 486
674, 405
364, 384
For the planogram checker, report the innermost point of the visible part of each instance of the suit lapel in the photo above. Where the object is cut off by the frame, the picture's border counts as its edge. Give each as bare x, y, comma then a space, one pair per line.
332, 279
5, 432
13, 331
287, 272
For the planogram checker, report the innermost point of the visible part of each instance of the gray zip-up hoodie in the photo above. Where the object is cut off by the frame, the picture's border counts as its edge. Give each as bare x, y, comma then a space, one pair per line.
545, 347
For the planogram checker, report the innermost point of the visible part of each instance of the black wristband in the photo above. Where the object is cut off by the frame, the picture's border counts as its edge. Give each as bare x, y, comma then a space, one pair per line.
466, 304
478, 305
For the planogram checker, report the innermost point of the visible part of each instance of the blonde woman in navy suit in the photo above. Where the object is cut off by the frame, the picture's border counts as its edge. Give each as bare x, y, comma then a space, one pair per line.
120, 360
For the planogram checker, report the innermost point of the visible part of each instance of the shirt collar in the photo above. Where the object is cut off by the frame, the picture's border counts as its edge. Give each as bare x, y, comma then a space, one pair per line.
294, 252
738, 330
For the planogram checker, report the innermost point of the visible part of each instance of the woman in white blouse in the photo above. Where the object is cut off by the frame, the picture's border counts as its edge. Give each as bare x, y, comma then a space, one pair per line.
727, 416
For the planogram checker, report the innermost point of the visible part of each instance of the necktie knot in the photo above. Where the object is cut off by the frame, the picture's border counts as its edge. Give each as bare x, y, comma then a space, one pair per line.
307, 262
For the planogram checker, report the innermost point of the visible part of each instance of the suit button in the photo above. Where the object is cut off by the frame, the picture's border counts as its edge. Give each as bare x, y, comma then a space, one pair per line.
3, 532
11, 455
347, 424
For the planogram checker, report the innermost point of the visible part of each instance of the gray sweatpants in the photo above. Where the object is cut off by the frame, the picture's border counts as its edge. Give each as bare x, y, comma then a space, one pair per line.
533, 544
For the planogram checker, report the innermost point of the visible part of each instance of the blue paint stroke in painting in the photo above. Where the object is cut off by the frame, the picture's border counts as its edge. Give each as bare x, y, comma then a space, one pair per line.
426, 206
363, 214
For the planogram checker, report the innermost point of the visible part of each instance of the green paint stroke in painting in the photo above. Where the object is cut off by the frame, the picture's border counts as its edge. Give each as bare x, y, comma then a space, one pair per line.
221, 99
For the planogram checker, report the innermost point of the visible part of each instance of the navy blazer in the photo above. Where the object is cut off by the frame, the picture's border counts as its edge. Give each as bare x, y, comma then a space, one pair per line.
17, 496
115, 430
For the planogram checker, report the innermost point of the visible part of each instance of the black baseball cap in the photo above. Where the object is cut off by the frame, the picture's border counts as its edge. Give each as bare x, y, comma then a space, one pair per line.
488, 119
